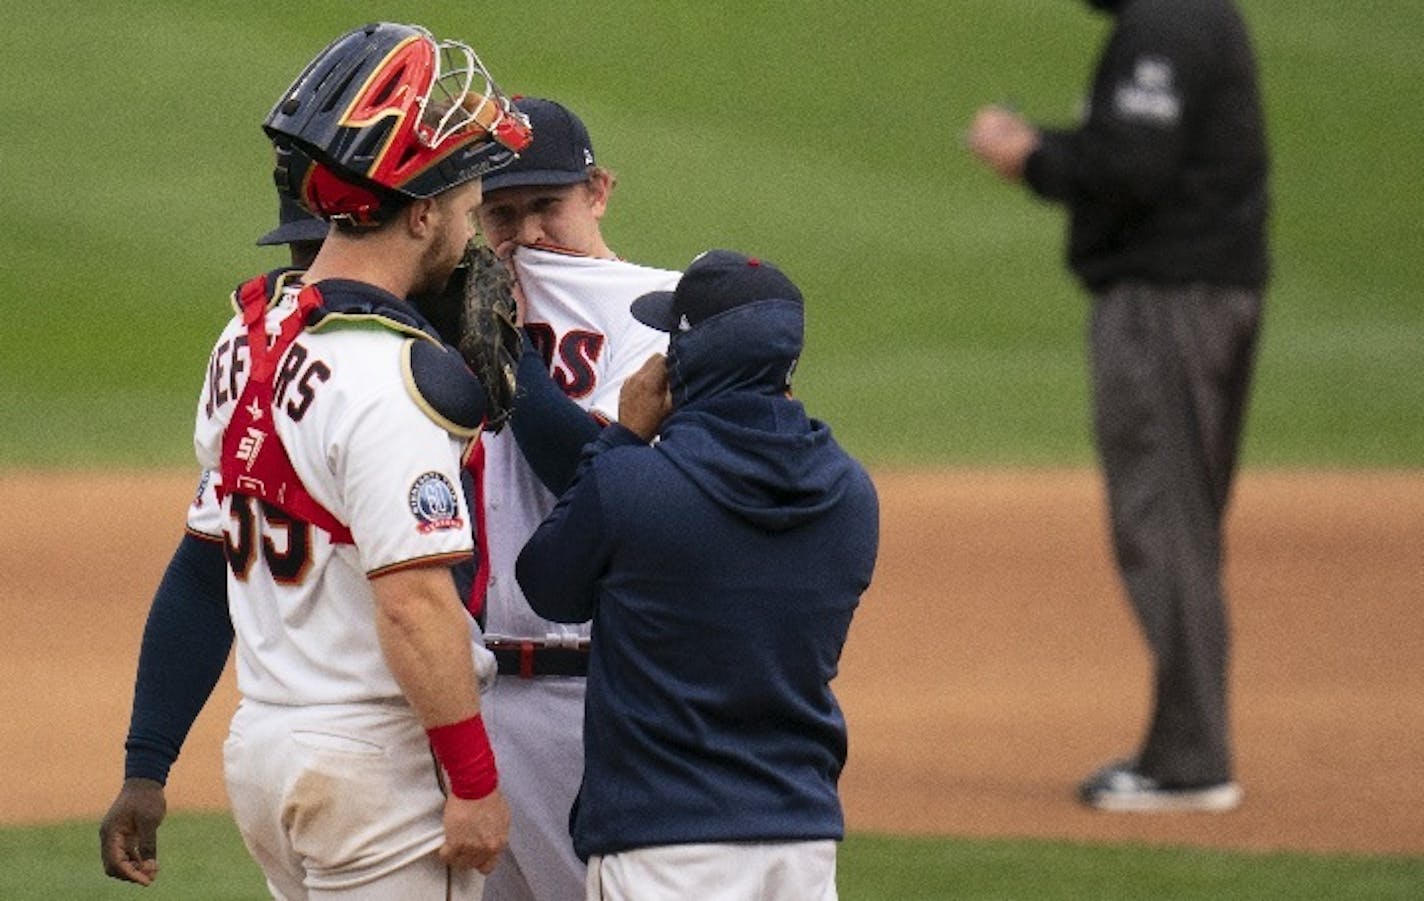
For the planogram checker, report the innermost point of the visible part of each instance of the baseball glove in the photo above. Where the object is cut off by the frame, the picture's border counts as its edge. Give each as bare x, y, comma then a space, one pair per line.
487, 336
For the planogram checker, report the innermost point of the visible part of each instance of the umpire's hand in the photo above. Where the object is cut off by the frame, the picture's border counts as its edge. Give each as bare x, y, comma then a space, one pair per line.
1003, 140
128, 834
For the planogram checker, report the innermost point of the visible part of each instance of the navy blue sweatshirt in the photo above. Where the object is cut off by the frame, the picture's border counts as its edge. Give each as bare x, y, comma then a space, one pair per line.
720, 567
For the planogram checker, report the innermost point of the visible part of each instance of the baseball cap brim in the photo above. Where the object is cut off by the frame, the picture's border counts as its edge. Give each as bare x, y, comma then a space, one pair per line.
542, 177
291, 232
654, 310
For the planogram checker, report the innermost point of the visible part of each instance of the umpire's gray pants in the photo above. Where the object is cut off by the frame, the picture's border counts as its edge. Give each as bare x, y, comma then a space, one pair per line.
1171, 374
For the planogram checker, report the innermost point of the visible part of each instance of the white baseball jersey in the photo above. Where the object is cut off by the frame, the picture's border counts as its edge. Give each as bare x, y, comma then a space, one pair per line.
577, 305
302, 607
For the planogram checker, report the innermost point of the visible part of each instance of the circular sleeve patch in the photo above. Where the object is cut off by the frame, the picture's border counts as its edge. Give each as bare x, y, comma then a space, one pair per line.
435, 504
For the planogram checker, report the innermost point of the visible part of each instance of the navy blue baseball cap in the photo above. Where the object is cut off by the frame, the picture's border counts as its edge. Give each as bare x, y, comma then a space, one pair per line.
560, 154
714, 282
296, 224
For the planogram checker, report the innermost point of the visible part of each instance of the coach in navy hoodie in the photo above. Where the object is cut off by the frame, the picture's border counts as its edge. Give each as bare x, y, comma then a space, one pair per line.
720, 565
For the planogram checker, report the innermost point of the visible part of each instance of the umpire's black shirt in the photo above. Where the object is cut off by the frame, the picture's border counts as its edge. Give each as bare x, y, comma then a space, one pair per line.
1165, 179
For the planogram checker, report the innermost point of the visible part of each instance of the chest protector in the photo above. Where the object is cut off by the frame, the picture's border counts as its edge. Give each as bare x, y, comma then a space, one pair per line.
254, 461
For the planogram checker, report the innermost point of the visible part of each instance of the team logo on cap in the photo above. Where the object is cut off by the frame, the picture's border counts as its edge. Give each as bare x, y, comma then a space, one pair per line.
435, 504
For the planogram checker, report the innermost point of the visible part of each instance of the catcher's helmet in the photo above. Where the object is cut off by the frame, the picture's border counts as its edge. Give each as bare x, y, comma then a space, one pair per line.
387, 113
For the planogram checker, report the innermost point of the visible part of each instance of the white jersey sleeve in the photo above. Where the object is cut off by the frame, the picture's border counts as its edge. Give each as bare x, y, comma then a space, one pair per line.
394, 475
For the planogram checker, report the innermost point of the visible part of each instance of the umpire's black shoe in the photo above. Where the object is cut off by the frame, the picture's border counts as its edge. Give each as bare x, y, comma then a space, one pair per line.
1120, 788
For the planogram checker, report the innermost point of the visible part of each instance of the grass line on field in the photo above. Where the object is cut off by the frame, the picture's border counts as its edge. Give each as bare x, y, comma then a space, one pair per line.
202, 857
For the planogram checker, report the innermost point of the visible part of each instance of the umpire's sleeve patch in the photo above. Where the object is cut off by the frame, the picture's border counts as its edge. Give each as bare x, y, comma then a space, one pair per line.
444, 387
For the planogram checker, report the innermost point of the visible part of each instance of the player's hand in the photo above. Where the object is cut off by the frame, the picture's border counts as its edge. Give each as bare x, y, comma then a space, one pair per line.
505, 252
644, 401
1003, 140
475, 832
128, 834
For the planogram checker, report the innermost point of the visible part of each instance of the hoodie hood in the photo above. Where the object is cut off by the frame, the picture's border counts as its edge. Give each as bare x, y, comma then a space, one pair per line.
750, 348
736, 434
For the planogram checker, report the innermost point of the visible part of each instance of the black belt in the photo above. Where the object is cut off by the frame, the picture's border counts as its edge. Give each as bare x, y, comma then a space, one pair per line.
528, 659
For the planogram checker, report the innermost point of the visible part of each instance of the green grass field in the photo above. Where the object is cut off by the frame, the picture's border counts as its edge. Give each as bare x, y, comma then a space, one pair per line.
825, 136
62, 862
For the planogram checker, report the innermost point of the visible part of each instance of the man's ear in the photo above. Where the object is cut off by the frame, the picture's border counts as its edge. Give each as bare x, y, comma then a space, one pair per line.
420, 217
599, 187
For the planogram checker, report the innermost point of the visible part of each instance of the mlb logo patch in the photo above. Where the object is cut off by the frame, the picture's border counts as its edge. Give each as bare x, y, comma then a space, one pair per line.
1151, 96
435, 504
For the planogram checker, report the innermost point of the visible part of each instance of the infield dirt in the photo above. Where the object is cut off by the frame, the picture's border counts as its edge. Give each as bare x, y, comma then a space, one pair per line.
992, 664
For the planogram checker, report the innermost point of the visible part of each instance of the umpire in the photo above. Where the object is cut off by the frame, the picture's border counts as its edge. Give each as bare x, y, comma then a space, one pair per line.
1165, 184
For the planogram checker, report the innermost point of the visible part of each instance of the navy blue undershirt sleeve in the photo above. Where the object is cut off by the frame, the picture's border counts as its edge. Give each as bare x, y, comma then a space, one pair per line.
185, 646
550, 429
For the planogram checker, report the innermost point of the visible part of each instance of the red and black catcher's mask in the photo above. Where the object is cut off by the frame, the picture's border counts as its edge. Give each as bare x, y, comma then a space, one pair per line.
385, 114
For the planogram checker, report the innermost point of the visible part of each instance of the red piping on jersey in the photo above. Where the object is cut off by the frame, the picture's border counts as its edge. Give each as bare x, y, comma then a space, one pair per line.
559, 249
475, 466
254, 461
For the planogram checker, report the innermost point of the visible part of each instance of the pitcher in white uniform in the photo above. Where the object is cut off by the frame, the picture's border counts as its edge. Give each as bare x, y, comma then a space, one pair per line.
544, 211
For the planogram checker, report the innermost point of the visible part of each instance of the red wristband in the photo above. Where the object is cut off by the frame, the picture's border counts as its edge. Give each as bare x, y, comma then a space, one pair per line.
464, 750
